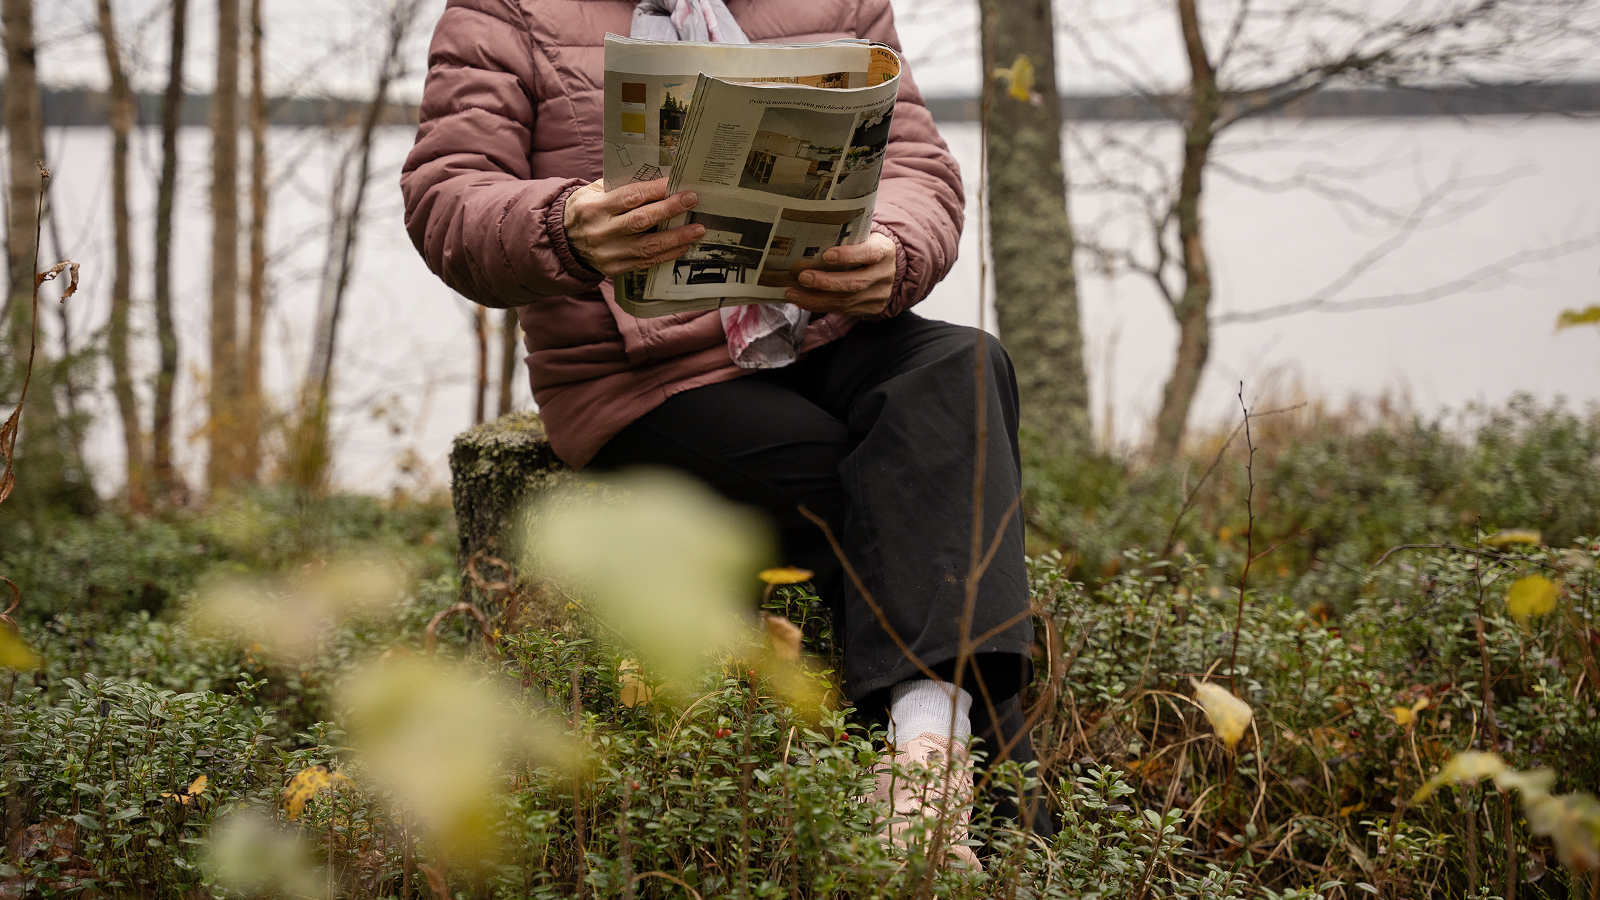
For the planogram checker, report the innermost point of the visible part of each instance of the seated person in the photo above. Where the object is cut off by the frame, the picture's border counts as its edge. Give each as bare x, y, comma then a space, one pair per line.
860, 411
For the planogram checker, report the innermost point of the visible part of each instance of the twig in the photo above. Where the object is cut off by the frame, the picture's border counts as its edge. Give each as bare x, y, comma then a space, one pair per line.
1249, 537
1195, 494
1475, 551
672, 878
431, 635
577, 779
861, 588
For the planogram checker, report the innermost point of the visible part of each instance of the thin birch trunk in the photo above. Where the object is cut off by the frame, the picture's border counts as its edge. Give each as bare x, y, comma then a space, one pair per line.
1193, 309
313, 450
251, 402
25, 137
224, 463
162, 474
508, 359
122, 275
347, 219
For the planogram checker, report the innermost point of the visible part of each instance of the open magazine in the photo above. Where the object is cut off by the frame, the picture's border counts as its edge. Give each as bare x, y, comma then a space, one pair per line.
784, 143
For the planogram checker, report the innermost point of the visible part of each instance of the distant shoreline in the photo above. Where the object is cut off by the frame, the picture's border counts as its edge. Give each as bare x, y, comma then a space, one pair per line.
1578, 98
78, 107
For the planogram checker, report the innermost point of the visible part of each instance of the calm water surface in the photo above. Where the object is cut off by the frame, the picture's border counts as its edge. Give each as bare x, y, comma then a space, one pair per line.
406, 364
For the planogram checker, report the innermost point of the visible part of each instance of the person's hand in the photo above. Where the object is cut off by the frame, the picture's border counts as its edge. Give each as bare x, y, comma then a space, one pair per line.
611, 231
854, 280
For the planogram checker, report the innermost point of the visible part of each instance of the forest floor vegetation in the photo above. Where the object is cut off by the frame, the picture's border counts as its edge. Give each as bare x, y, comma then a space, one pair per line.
1417, 589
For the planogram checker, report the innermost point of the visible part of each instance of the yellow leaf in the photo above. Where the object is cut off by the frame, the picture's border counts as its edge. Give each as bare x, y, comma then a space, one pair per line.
1019, 78
1572, 821
189, 794
1229, 715
784, 636
1352, 808
1531, 596
1469, 766
307, 783
1512, 536
1405, 715
15, 652
634, 690
658, 557
786, 575
1572, 318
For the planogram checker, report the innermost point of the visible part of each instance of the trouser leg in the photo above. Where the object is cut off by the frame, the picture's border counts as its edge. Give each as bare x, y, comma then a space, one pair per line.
906, 389
877, 435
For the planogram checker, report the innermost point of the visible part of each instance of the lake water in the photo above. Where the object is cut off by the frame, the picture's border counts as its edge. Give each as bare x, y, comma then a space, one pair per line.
406, 363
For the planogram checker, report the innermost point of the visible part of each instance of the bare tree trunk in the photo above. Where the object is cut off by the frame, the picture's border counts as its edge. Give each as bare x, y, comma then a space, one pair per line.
311, 453
53, 475
162, 474
1193, 308
122, 276
480, 330
1030, 233
347, 220
508, 359
24, 131
251, 402
224, 464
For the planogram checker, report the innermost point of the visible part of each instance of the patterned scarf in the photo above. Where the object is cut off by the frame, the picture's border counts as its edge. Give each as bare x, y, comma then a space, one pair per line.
760, 335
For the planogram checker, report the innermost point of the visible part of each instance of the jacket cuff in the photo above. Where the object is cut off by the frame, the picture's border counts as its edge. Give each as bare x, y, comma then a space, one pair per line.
555, 230
897, 297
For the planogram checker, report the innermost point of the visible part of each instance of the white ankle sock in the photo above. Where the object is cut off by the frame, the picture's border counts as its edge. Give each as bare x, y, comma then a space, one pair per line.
922, 706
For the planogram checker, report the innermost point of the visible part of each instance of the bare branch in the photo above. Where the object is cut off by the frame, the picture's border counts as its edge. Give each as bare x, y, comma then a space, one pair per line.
1484, 278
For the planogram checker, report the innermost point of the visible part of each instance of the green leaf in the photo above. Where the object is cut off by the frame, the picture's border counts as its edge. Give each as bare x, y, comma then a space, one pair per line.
85, 821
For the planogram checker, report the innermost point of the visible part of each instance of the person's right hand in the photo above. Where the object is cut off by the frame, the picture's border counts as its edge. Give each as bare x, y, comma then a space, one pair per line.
611, 231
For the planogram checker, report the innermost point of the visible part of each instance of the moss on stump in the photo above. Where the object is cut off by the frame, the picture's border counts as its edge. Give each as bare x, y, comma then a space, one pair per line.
496, 470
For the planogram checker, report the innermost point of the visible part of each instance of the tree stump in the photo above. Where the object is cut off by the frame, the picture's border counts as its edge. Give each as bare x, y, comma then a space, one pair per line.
497, 470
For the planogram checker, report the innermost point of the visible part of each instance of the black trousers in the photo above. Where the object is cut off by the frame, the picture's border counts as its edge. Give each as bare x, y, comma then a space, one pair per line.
876, 434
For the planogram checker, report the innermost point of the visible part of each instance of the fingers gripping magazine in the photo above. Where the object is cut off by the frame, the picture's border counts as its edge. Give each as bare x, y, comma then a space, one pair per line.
784, 143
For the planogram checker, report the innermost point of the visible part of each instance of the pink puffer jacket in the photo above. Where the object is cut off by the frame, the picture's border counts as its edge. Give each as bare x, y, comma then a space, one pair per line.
511, 125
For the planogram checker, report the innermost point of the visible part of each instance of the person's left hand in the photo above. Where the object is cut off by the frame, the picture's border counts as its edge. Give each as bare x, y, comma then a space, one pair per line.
854, 280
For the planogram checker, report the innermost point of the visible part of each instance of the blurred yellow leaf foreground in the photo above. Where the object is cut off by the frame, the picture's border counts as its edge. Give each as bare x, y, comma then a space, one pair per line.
1229, 715
1571, 821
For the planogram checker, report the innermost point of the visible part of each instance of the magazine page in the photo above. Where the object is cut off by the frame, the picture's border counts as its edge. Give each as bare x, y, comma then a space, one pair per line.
785, 156
783, 174
650, 86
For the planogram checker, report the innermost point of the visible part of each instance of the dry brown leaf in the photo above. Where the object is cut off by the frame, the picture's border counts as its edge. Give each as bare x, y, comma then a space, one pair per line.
436, 881
54, 272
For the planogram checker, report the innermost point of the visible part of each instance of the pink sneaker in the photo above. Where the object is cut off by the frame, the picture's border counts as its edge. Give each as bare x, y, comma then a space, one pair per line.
920, 780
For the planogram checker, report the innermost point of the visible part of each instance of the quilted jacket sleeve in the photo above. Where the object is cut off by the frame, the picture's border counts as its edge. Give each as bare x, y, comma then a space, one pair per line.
920, 200
480, 221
